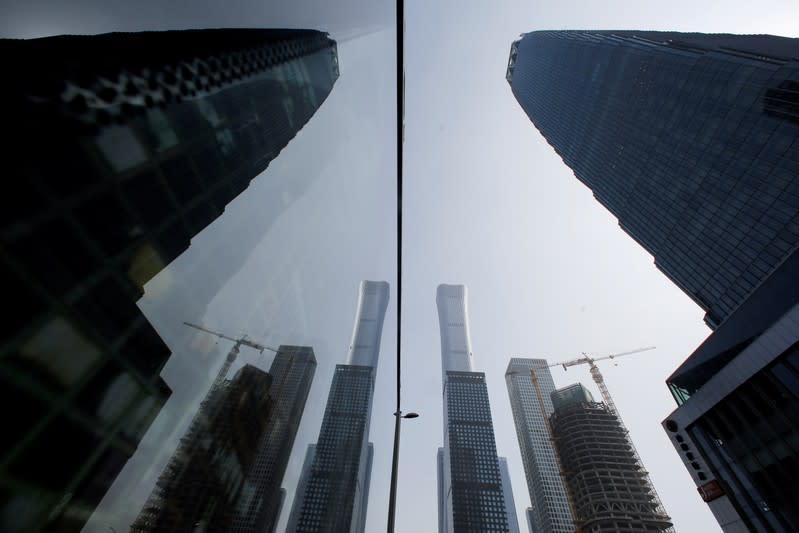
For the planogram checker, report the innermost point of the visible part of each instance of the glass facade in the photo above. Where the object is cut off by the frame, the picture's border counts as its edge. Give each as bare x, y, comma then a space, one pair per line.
476, 489
475, 496
772, 299
333, 493
734, 429
751, 442
609, 488
125, 147
507, 492
258, 508
690, 140
549, 510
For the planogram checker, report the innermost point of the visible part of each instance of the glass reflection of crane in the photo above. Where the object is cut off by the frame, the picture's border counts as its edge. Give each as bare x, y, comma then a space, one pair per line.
234, 351
190, 437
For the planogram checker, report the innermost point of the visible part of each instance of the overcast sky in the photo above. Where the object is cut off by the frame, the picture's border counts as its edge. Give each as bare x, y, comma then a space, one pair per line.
487, 203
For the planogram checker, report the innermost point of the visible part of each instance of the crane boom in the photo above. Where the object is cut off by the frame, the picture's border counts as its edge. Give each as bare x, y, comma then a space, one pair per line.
243, 340
585, 359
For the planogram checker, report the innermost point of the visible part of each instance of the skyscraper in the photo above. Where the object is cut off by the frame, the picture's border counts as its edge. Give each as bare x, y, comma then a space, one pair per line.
125, 146
738, 395
507, 491
333, 491
292, 374
688, 139
691, 141
470, 485
610, 490
256, 415
195, 489
549, 512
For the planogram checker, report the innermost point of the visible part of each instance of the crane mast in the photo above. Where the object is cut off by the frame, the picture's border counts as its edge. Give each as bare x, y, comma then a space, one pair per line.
597, 375
603, 390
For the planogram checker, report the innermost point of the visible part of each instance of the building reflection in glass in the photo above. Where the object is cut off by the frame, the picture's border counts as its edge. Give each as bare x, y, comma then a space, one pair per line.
125, 147
333, 491
226, 473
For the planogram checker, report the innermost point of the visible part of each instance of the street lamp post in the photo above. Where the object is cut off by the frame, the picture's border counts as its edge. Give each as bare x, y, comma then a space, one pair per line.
392, 499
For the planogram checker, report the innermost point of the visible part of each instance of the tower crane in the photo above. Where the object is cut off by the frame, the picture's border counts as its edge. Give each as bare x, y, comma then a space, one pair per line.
184, 445
603, 390
596, 374
234, 351
600, 381
243, 340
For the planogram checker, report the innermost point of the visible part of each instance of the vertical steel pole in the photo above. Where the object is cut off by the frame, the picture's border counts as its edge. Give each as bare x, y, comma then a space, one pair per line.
400, 28
392, 498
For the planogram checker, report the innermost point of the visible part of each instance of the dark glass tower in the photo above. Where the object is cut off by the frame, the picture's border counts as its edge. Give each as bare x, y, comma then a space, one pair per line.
333, 492
292, 374
330, 501
124, 147
609, 488
204, 484
477, 498
692, 141
688, 139
736, 425
471, 487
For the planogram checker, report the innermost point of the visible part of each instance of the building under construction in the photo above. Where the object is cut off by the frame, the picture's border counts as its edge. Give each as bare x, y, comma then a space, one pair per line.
610, 490
226, 472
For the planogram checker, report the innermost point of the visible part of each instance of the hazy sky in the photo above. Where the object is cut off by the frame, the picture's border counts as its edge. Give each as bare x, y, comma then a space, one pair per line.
487, 203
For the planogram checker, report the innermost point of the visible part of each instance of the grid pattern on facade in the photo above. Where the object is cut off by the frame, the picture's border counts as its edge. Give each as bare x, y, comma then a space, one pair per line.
549, 503
610, 490
478, 503
292, 374
507, 491
751, 440
127, 181
328, 502
688, 140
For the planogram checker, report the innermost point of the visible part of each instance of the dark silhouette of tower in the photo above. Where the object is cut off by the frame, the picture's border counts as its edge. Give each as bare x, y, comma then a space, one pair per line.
226, 472
124, 147
687, 138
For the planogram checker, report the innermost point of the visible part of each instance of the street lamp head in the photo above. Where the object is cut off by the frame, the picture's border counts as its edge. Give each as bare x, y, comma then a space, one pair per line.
411, 415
